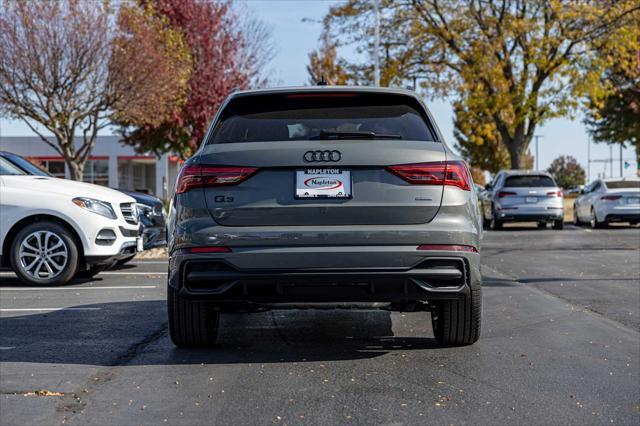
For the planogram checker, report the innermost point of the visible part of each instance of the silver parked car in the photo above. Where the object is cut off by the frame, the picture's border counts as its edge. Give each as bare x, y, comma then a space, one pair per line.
523, 196
608, 200
324, 197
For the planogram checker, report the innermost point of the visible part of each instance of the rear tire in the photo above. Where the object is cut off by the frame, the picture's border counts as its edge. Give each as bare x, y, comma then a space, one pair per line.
457, 322
495, 224
594, 222
191, 324
558, 224
576, 218
486, 223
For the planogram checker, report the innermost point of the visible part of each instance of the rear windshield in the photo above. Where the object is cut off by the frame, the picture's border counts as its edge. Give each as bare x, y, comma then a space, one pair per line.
623, 184
311, 116
529, 181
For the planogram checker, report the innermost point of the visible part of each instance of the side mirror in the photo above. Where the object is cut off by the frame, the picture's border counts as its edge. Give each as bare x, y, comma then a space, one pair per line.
488, 187
581, 192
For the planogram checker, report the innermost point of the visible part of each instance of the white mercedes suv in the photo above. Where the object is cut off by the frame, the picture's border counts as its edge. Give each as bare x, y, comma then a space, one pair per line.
54, 229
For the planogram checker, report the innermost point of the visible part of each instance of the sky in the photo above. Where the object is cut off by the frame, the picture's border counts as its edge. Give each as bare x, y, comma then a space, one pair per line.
295, 35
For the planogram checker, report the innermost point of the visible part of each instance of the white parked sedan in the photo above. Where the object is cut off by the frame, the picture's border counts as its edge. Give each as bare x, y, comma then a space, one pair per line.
52, 229
608, 200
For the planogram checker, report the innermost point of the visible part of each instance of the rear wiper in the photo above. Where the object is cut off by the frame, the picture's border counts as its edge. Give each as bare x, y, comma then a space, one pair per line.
325, 135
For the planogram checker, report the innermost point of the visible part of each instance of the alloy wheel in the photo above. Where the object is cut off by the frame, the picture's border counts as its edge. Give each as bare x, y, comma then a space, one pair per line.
43, 255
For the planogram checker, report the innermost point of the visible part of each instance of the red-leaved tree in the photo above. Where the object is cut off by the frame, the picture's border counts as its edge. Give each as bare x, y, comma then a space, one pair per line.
75, 67
228, 54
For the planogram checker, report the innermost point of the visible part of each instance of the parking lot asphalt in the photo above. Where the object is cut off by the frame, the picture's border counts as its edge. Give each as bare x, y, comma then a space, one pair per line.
560, 344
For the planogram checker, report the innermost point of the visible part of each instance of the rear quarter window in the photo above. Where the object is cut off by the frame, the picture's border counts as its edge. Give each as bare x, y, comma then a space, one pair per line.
307, 116
529, 181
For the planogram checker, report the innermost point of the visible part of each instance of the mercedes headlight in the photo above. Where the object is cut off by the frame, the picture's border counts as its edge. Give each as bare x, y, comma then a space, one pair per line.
95, 206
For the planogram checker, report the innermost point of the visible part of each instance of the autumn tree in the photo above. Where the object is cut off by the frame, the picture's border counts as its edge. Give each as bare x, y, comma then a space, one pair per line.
324, 63
613, 114
477, 138
229, 53
75, 67
567, 172
519, 62
478, 177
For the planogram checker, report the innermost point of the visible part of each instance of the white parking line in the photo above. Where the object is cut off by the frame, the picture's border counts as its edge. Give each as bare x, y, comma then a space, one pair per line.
76, 288
149, 262
11, 274
6, 348
46, 309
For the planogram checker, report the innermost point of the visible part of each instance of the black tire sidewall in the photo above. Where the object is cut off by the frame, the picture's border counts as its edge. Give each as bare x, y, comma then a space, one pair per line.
495, 224
72, 261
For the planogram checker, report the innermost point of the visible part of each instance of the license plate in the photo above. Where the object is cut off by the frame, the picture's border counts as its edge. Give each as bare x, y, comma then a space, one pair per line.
633, 200
531, 199
139, 245
323, 183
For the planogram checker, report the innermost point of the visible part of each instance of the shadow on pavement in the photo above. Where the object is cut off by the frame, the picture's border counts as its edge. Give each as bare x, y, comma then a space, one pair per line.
12, 281
135, 333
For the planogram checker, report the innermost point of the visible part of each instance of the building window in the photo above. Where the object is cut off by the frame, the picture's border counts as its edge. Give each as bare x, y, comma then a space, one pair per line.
96, 171
56, 168
53, 167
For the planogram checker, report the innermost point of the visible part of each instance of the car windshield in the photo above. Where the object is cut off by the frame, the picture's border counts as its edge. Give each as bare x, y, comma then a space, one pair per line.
28, 166
529, 181
623, 184
329, 116
9, 169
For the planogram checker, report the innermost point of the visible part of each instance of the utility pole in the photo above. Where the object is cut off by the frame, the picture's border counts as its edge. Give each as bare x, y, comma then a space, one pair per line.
537, 137
620, 160
588, 159
376, 44
611, 160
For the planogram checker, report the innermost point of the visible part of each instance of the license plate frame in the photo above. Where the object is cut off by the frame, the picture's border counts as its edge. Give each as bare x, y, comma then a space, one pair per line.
633, 200
139, 244
303, 189
530, 200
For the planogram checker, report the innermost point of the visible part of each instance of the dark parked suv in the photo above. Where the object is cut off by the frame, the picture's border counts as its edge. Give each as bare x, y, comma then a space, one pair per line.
324, 197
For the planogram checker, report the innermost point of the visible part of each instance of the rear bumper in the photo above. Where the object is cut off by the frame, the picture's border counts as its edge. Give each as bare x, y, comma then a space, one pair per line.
217, 279
623, 217
513, 216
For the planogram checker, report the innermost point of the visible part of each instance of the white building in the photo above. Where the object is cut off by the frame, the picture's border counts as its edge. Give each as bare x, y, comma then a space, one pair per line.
111, 164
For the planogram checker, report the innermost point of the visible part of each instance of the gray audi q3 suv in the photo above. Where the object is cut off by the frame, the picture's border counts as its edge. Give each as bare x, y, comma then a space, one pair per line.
324, 197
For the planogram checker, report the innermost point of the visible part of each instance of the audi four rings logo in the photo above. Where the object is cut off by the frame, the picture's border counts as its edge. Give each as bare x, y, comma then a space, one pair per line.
322, 156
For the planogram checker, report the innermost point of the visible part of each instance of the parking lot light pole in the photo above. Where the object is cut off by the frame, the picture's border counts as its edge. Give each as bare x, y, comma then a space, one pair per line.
376, 60
537, 137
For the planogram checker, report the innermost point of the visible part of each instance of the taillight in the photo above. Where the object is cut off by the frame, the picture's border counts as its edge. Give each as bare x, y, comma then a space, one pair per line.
503, 194
554, 194
451, 173
209, 249
611, 197
192, 177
